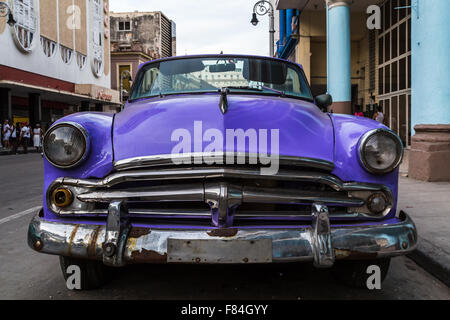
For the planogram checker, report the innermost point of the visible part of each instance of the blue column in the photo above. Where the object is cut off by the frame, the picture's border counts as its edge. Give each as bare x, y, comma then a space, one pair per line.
338, 55
282, 25
430, 53
289, 15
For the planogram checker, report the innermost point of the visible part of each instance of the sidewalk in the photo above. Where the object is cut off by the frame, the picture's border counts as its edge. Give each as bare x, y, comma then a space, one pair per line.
428, 204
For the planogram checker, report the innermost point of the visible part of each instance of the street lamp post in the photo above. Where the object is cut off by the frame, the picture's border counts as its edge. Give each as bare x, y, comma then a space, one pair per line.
5, 10
262, 8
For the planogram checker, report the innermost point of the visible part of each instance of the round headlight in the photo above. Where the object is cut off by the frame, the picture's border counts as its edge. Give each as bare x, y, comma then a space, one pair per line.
380, 151
66, 145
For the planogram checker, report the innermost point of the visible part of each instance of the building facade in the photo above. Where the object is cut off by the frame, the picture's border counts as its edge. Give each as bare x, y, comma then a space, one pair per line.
388, 53
137, 37
378, 64
54, 60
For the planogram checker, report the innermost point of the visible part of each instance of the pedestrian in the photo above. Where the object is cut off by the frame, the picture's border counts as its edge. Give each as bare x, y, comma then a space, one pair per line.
37, 137
15, 137
25, 135
358, 112
6, 134
379, 116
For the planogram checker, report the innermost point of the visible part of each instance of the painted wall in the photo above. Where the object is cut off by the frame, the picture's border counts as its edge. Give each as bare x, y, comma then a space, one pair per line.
430, 76
37, 62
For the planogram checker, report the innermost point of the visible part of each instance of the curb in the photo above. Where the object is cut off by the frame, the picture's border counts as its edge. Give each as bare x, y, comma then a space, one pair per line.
8, 153
433, 259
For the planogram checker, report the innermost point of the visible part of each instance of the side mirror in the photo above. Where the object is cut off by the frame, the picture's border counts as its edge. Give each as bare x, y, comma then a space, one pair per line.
324, 101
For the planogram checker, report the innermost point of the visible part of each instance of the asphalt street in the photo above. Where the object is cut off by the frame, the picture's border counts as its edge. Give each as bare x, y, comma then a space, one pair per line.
25, 274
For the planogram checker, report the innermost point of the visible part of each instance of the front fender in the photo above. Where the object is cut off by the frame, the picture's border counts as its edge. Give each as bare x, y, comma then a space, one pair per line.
348, 132
99, 161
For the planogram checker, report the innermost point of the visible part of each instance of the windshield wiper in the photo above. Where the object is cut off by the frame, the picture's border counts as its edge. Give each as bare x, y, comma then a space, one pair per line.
261, 89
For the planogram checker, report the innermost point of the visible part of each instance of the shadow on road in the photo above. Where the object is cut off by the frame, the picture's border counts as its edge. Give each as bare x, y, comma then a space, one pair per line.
261, 282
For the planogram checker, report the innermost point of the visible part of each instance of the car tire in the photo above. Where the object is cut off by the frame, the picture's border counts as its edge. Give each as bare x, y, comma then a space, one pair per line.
354, 273
94, 274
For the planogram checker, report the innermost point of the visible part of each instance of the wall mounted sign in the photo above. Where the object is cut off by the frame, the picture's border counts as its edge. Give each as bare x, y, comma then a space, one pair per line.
25, 31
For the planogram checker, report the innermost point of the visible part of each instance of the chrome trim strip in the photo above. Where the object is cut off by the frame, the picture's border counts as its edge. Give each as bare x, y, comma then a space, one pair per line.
166, 213
291, 196
288, 245
207, 173
255, 215
363, 142
194, 158
176, 193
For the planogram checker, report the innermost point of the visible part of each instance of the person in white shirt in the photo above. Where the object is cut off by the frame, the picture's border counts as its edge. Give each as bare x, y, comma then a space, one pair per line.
15, 135
379, 116
37, 137
6, 134
25, 135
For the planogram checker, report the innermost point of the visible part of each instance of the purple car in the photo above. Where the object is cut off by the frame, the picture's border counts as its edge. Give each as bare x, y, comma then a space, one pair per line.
222, 159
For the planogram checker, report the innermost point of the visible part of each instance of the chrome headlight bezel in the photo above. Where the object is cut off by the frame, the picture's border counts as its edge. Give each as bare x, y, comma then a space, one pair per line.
362, 145
84, 134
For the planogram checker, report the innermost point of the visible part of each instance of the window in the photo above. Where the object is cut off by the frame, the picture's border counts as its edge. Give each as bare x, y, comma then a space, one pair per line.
26, 23
394, 67
124, 80
257, 76
98, 67
81, 60
124, 26
97, 37
66, 54
48, 47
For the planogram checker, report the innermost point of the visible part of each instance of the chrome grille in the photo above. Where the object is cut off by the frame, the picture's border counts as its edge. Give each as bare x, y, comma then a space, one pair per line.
221, 196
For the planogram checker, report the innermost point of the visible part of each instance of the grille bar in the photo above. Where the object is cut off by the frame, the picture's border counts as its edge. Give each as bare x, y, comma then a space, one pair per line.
196, 192
209, 173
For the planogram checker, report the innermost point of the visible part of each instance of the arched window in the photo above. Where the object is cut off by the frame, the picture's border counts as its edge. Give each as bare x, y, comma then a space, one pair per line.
26, 23
66, 54
81, 60
97, 37
48, 47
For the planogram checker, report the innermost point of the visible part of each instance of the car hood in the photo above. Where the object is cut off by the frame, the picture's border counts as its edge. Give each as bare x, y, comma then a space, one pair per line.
147, 127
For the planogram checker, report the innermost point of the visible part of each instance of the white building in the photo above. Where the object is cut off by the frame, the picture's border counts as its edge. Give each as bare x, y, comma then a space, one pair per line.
55, 60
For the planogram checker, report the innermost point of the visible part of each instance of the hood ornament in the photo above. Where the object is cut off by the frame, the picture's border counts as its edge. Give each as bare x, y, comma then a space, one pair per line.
223, 104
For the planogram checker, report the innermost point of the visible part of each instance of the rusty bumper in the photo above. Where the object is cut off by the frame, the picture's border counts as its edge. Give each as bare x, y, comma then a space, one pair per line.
319, 243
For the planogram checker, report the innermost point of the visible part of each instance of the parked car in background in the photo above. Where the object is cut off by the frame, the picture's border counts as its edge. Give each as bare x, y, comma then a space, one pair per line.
155, 184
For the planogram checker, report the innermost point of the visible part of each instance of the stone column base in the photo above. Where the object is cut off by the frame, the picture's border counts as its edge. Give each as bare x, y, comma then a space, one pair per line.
429, 159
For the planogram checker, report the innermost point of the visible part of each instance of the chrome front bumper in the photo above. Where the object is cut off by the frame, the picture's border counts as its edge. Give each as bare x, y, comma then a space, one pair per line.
118, 243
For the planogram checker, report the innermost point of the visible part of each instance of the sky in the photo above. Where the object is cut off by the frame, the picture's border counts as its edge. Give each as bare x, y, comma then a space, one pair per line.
209, 26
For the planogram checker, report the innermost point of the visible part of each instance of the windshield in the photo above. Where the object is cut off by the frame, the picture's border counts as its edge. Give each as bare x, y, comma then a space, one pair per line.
209, 74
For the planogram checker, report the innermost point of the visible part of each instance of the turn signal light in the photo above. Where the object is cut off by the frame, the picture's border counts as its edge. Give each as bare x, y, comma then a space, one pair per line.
62, 197
377, 203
